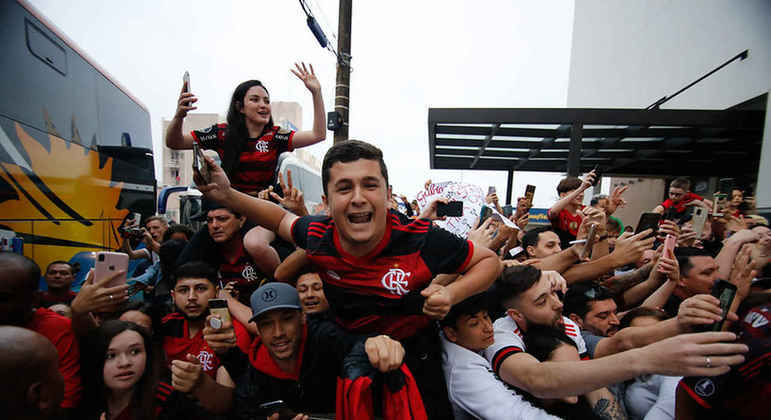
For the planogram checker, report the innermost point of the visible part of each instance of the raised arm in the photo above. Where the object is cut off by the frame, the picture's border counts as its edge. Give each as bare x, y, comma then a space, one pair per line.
319, 132
175, 138
262, 212
685, 354
695, 311
560, 205
628, 249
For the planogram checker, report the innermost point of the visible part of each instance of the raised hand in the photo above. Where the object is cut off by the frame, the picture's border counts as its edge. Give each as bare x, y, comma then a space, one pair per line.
95, 296
430, 211
185, 102
293, 198
629, 248
307, 77
219, 186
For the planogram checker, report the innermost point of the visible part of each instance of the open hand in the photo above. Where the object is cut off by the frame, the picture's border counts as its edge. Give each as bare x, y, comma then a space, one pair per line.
307, 77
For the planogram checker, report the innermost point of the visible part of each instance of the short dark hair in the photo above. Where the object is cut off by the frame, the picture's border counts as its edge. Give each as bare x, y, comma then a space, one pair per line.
72, 269
349, 151
29, 268
195, 269
470, 306
533, 236
580, 295
641, 311
568, 184
684, 254
178, 228
514, 281
542, 340
683, 183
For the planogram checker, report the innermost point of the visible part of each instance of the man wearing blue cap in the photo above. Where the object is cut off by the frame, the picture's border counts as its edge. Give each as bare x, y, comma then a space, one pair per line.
296, 360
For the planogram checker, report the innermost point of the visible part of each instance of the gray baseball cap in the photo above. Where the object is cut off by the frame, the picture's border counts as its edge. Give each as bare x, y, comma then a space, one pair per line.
274, 295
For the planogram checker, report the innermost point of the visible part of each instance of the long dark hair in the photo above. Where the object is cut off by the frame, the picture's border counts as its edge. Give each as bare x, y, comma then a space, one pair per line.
237, 134
144, 390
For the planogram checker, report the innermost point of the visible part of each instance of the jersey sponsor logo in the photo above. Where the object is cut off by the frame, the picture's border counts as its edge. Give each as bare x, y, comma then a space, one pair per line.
756, 320
206, 360
249, 273
705, 387
262, 146
207, 137
395, 280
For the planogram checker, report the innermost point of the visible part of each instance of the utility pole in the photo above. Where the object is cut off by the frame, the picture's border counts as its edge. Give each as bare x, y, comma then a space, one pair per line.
342, 102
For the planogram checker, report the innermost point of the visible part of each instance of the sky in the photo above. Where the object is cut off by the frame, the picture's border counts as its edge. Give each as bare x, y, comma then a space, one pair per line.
408, 56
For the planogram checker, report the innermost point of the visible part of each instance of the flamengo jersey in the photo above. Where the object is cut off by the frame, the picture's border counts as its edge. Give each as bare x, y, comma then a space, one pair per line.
257, 162
380, 292
243, 271
509, 340
177, 343
566, 221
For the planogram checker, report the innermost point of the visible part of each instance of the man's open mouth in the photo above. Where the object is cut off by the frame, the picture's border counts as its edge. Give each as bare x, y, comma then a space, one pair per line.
364, 217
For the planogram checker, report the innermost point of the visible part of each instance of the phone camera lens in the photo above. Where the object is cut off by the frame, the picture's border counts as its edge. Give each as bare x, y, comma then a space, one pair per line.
101, 257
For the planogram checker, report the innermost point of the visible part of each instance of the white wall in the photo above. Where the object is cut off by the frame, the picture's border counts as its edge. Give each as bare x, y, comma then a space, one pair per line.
630, 53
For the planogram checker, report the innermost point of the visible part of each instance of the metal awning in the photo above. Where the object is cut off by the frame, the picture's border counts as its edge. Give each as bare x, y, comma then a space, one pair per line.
622, 142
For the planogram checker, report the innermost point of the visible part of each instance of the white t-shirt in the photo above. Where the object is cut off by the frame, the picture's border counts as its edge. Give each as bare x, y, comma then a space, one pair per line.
509, 340
476, 393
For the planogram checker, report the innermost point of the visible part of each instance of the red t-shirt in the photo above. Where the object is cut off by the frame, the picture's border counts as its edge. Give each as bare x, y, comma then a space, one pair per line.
257, 163
58, 330
566, 221
680, 206
177, 342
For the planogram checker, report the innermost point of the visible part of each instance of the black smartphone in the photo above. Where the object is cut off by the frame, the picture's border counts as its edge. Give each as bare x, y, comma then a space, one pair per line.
597, 175
484, 214
725, 292
529, 193
277, 406
490, 190
648, 221
725, 185
450, 209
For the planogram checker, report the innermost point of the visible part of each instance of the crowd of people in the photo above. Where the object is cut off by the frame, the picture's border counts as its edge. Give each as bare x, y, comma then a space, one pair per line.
354, 310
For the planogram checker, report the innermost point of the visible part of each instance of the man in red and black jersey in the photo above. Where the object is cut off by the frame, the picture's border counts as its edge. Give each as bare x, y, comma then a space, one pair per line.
182, 331
377, 268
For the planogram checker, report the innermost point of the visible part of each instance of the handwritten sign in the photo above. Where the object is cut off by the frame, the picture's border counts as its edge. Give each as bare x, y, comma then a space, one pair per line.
473, 198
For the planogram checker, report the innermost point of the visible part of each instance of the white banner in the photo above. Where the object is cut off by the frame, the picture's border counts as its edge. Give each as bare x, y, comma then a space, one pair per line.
473, 198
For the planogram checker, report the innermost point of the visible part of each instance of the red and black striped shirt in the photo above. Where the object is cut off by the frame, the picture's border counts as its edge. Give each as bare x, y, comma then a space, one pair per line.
380, 292
257, 163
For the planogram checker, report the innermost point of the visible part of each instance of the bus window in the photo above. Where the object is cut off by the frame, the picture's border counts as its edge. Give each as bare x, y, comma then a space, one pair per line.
45, 48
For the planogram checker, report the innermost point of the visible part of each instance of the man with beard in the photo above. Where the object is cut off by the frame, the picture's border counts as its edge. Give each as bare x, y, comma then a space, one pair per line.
529, 298
182, 331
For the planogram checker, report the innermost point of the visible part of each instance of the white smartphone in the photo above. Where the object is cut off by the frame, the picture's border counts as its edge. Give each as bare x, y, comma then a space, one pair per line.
107, 263
699, 218
186, 79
